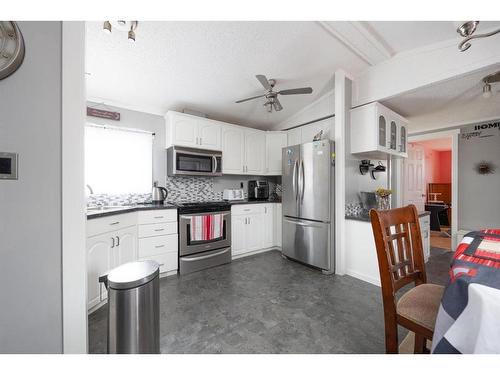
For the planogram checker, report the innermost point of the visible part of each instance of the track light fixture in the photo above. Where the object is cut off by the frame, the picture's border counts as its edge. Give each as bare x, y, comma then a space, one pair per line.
467, 30
127, 26
487, 82
487, 91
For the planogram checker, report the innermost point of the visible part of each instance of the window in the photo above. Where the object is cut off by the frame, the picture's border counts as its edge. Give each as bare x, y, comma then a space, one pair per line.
118, 161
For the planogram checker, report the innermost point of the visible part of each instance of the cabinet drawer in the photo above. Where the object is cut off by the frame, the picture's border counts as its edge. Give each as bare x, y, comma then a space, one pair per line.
167, 261
110, 223
157, 216
157, 245
150, 230
245, 209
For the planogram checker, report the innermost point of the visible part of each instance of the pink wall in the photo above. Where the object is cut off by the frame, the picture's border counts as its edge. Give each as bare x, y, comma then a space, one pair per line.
437, 166
444, 169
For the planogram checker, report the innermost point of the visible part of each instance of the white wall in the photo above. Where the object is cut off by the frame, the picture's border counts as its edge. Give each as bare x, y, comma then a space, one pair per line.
30, 221
321, 107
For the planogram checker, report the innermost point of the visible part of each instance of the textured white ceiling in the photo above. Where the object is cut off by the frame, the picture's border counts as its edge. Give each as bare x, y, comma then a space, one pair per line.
459, 91
206, 66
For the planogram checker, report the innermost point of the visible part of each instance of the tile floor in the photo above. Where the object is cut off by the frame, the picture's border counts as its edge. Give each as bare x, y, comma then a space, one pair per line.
266, 304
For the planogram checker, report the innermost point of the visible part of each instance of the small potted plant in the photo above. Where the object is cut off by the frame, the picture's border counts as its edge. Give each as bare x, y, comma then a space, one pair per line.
383, 198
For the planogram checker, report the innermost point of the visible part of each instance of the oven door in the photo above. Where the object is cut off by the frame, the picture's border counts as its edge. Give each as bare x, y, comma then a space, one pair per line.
195, 163
187, 246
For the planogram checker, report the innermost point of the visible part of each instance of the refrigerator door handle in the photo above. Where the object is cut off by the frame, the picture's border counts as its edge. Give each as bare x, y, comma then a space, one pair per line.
302, 179
294, 180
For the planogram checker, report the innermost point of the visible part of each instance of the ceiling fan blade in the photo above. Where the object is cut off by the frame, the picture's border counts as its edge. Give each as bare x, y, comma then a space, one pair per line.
253, 97
302, 90
263, 80
277, 105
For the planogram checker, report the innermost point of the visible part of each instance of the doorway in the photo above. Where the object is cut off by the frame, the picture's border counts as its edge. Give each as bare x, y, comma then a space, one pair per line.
429, 182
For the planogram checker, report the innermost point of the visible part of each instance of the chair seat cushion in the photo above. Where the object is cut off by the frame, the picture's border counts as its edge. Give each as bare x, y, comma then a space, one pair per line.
421, 304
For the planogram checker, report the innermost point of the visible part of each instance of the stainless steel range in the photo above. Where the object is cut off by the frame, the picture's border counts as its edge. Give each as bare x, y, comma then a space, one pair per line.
201, 254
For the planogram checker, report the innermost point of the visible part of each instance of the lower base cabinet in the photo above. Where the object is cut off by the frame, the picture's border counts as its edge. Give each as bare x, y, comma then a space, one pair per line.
143, 235
254, 228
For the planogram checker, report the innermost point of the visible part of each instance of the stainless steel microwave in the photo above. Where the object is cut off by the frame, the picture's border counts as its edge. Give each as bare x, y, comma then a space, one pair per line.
185, 161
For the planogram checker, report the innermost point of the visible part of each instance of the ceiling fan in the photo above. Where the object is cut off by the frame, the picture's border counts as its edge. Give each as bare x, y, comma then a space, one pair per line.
272, 96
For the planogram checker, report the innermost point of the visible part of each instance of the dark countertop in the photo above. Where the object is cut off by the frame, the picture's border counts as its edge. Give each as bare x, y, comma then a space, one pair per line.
145, 207
127, 209
367, 218
246, 201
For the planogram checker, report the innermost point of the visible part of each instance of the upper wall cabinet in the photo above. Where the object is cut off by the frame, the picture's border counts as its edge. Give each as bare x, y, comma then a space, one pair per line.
233, 149
377, 131
192, 131
306, 133
275, 141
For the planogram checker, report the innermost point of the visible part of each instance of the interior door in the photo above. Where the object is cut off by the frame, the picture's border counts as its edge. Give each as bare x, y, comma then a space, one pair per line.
314, 181
414, 190
291, 158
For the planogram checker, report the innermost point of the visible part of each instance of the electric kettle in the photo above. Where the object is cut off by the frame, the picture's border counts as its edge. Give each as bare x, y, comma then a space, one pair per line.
159, 194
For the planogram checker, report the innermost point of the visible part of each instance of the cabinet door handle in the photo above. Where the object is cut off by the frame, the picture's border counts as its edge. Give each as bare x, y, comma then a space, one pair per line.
159, 246
113, 243
158, 217
265, 210
159, 230
201, 142
248, 220
116, 222
117, 241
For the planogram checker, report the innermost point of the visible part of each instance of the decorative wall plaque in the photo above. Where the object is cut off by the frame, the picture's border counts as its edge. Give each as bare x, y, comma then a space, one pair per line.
11, 48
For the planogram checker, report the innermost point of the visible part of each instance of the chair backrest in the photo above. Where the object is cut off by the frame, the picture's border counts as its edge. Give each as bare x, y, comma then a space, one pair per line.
399, 248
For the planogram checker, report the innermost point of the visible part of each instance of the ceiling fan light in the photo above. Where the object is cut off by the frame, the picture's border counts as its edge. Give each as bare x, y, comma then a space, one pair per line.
487, 91
106, 28
131, 36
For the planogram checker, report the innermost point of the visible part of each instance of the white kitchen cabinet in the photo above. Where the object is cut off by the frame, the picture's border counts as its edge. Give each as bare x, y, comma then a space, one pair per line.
308, 132
278, 222
233, 149
268, 226
376, 132
99, 252
125, 249
275, 141
209, 133
254, 228
294, 136
192, 131
255, 152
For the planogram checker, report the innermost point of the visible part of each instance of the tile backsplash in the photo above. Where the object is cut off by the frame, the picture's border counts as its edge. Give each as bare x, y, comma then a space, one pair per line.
180, 189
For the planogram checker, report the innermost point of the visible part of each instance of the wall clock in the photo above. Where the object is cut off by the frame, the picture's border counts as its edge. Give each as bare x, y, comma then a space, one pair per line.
11, 48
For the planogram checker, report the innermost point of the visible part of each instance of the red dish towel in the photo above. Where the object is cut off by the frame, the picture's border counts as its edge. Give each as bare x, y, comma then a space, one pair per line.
206, 227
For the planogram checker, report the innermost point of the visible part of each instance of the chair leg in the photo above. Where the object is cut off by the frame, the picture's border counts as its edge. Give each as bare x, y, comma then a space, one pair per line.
420, 342
391, 338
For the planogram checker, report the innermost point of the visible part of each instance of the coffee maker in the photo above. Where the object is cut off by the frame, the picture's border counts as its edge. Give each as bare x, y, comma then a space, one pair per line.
258, 190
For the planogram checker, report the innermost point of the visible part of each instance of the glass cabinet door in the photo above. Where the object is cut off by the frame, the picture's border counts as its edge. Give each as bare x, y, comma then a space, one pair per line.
394, 132
382, 131
403, 139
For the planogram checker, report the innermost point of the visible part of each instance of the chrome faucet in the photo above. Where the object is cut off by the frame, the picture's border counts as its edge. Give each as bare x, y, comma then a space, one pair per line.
90, 189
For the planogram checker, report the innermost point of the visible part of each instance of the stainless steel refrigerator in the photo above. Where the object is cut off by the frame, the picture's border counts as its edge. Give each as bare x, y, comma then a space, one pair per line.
307, 203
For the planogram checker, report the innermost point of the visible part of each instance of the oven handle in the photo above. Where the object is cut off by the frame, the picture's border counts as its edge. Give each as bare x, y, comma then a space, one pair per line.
205, 256
188, 217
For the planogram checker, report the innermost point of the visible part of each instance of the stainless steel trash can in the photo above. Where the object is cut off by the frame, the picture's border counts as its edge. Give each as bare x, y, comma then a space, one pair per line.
133, 308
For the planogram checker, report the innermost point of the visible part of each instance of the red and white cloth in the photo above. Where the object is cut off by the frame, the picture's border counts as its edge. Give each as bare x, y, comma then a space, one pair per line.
207, 227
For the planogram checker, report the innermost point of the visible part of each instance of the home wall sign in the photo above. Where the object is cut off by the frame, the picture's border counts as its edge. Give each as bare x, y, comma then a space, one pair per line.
11, 48
101, 113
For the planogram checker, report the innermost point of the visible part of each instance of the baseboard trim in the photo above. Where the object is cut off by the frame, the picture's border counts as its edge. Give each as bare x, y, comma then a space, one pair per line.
256, 252
363, 277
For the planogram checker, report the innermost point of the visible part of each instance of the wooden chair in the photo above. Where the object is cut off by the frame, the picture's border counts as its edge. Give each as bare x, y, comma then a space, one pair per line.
401, 262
